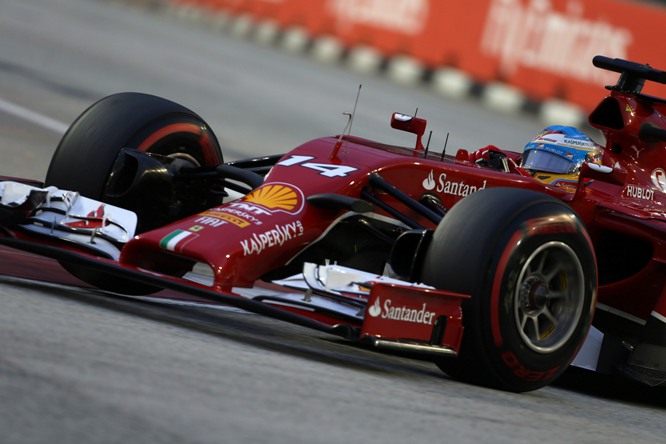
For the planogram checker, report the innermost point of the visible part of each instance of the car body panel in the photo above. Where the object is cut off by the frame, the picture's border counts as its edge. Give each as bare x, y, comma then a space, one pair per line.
321, 184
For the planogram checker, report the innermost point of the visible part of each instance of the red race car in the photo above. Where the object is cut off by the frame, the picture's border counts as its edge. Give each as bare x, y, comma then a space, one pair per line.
494, 265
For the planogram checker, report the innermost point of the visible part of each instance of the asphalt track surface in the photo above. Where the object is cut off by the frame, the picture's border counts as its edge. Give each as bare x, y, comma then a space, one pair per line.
79, 366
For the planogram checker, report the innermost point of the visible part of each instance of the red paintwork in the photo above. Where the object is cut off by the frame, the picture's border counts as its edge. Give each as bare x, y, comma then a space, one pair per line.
244, 239
411, 313
221, 247
602, 205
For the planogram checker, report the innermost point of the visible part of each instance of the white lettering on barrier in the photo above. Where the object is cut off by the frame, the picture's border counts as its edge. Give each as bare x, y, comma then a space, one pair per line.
405, 16
534, 35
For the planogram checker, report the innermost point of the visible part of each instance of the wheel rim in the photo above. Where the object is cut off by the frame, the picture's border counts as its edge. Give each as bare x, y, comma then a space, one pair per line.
193, 137
185, 156
549, 297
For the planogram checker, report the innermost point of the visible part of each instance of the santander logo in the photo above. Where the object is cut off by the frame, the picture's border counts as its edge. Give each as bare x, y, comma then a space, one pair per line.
401, 312
429, 182
375, 310
454, 187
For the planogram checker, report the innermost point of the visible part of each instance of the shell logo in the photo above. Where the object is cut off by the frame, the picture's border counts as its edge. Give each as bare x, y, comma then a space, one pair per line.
277, 197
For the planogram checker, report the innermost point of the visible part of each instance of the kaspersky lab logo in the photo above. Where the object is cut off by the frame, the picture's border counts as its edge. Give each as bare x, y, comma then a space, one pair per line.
401, 313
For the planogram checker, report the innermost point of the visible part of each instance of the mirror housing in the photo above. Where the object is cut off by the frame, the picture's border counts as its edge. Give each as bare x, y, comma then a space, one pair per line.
410, 124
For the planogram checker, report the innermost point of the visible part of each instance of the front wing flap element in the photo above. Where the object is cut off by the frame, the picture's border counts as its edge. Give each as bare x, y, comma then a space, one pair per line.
115, 270
66, 216
413, 319
398, 316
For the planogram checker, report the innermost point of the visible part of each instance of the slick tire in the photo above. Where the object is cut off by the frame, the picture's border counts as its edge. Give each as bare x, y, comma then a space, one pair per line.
86, 154
88, 150
527, 262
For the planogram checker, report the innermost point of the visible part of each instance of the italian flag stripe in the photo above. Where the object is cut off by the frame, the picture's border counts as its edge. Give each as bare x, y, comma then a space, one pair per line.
172, 240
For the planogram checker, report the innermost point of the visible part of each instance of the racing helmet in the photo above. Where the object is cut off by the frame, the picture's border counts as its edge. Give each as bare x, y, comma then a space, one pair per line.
555, 156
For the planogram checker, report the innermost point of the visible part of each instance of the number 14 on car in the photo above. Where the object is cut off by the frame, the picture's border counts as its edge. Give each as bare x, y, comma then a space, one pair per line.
325, 169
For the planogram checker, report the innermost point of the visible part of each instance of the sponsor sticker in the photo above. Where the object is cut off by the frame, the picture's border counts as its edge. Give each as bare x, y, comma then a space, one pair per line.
401, 312
567, 184
223, 217
210, 221
273, 197
93, 220
276, 236
659, 179
242, 215
452, 187
636, 192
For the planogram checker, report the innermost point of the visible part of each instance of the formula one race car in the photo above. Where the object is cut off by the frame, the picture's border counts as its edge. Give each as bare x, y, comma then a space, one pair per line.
491, 273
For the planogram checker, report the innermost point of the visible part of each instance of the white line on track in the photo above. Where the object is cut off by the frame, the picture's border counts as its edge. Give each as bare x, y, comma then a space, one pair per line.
33, 116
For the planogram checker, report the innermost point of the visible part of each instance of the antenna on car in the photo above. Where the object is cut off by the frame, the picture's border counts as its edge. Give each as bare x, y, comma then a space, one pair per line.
425, 152
348, 127
351, 118
446, 142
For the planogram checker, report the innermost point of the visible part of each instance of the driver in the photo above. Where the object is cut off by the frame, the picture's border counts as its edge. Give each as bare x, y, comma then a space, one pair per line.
554, 157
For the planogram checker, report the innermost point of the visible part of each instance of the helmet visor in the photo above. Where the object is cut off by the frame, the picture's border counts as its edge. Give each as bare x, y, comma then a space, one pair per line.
537, 160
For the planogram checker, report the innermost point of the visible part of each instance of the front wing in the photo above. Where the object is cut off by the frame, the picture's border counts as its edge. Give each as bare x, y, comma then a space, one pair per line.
424, 321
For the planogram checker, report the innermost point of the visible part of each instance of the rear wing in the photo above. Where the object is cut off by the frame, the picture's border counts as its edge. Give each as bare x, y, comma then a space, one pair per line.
632, 75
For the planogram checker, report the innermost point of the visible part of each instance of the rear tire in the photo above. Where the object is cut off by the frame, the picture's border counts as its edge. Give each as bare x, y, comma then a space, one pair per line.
528, 264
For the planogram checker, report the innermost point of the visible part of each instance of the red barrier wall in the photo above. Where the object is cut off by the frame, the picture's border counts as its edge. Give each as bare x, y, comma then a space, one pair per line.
543, 47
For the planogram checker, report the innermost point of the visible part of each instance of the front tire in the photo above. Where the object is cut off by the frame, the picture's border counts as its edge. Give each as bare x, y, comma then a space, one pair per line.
86, 155
88, 150
527, 262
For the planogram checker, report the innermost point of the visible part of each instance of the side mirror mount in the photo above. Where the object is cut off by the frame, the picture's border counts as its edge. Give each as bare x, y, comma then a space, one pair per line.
616, 175
410, 124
